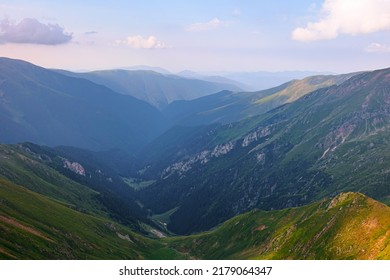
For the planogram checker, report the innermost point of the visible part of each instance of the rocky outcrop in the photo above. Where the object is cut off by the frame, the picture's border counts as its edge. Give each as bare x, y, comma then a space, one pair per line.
75, 167
256, 135
203, 158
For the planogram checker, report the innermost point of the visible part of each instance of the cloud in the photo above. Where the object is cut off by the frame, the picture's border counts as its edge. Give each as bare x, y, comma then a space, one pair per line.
377, 47
31, 31
353, 17
205, 26
139, 42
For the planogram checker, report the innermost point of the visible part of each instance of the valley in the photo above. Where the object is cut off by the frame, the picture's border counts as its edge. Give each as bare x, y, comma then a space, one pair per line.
289, 156
90, 170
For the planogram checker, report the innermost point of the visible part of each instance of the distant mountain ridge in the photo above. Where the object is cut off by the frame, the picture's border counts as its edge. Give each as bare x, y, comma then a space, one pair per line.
226, 106
260, 80
155, 88
255, 80
144, 68
45, 107
212, 78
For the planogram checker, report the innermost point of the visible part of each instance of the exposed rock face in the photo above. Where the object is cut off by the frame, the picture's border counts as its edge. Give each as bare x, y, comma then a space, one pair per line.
75, 167
202, 157
254, 136
223, 149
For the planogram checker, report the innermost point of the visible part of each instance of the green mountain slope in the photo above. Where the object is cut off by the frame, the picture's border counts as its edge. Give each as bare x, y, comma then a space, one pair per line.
48, 108
35, 227
350, 226
47, 215
262, 79
81, 186
24, 169
155, 88
196, 120
332, 140
226, 106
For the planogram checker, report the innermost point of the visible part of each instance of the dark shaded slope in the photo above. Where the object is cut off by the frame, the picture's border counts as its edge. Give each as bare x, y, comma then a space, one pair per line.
48, 108
155, 88
78, 183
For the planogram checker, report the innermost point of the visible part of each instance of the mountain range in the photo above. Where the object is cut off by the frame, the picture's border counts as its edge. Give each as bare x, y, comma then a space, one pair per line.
297, 171
227, 106
154, 88
289, 156
45, 107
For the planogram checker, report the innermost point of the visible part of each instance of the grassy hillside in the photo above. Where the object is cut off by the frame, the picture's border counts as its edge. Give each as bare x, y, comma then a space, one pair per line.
33, 226
23, 169
81, 184
350, 226
226, 106
197, 119
49, 210
333, 140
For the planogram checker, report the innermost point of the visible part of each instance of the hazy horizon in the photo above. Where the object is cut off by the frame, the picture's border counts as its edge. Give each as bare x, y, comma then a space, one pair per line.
234, 36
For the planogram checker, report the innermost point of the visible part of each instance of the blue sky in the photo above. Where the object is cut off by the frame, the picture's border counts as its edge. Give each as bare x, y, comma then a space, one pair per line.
324, 35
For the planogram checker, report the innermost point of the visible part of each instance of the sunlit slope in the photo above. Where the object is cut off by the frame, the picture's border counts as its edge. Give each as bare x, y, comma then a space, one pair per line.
349, 226
227, 106
35, 227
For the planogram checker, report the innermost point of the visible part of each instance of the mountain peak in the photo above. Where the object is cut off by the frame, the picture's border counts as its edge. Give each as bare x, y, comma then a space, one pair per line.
346, 199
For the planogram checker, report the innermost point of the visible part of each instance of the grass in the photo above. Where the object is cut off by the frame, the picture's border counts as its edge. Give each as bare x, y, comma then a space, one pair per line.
24, 170
266, 99
56, 218
63, 233
351, 226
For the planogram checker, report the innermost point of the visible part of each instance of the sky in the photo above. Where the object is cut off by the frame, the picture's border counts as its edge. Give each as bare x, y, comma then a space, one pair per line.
216, 35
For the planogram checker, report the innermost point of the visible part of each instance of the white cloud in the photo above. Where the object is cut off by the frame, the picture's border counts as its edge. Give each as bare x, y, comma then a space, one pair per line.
205, 26
351, 17
31, 31
377, 47
139, 42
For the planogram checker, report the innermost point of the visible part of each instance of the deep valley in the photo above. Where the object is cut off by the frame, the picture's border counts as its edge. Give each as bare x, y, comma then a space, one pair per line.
143, 165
